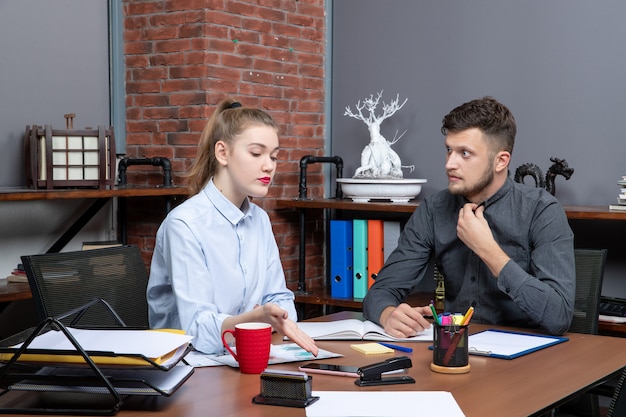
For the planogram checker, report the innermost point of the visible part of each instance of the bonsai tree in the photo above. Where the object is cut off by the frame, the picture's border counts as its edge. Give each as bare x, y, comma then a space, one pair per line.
378, 160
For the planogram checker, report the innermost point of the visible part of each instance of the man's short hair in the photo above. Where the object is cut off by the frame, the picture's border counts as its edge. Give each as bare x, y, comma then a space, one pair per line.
493, 118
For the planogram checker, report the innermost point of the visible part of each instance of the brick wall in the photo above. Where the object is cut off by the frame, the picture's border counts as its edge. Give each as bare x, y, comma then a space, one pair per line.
182, 57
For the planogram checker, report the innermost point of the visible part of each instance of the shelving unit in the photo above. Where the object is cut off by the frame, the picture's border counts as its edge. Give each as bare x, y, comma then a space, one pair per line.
100, 197
404, 210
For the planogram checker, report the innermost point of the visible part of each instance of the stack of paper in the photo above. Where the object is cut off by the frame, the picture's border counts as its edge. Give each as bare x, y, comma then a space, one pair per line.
108, 347
621, 197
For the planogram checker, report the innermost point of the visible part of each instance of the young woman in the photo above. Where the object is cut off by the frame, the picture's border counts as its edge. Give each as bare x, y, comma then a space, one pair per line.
216, 261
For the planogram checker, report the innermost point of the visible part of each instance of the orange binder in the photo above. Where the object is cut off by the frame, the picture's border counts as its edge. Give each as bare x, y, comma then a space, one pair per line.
375, 249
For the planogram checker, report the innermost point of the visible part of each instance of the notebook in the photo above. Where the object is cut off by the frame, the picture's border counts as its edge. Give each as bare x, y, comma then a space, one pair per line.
353, 329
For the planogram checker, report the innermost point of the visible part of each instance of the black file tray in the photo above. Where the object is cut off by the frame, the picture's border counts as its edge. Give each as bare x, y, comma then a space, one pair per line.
105, 385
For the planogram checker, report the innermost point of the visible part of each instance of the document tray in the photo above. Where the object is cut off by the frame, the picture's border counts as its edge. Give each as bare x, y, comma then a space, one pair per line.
106, 384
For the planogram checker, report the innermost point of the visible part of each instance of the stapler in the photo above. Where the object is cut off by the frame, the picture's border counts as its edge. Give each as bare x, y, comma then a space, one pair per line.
371, 375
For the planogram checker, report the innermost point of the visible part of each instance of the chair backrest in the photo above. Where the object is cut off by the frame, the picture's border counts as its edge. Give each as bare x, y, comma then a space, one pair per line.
618, 403
61, 282
589, 275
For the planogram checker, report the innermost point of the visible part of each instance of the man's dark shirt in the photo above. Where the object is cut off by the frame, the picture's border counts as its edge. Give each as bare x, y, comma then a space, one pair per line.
535, 288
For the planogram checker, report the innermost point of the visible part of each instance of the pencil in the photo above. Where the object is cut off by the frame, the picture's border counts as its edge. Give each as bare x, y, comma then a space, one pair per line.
468, 316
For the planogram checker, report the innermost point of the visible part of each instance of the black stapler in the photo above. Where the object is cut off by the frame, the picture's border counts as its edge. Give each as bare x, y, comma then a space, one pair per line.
372, 374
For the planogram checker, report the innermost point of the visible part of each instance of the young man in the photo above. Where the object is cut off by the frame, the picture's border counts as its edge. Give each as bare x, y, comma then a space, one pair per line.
504, 248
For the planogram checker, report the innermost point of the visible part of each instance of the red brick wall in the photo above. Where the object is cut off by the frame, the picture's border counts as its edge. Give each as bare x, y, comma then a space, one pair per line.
182, 57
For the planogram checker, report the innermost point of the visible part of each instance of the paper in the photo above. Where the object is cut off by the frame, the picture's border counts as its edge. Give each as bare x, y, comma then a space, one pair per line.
371, 348
151, 344
611, 319
288, 352
509, 345
383, 403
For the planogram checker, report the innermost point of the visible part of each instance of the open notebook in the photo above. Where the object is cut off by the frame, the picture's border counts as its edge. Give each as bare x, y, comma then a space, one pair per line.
353, 329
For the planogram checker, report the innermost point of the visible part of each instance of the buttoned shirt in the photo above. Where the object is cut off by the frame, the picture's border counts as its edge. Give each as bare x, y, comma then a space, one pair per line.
213, 260
536, 287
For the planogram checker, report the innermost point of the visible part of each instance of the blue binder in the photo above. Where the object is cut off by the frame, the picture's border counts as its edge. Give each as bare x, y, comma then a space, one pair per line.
341, 258
359, 268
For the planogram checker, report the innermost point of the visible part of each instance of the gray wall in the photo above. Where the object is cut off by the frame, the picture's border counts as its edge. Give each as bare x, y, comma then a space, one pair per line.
54, 61
559, 66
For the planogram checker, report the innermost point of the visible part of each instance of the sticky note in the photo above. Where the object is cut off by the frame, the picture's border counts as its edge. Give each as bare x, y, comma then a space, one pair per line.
371, 348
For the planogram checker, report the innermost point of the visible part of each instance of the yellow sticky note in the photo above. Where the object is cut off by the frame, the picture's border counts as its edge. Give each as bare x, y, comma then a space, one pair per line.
371, 348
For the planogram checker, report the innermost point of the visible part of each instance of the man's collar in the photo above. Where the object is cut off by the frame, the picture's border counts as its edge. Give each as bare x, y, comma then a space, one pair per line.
506, 187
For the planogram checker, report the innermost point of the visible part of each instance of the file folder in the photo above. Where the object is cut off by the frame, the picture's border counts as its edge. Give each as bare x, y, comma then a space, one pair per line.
359, 268
391, 233
341, 258
375, 249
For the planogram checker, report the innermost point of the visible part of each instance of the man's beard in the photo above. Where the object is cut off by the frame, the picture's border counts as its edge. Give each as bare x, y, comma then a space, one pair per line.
469, 191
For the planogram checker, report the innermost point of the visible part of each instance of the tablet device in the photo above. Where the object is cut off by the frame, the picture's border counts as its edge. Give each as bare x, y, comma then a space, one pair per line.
330, 369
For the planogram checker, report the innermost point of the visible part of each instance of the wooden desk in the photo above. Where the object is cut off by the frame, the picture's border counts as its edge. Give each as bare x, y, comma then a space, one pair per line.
526, 386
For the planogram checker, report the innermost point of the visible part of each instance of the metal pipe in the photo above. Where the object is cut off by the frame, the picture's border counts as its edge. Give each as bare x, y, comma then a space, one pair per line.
302, 191
310, 159
164, 163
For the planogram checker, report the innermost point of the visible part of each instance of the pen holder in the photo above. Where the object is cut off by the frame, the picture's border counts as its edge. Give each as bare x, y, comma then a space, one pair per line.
450, 349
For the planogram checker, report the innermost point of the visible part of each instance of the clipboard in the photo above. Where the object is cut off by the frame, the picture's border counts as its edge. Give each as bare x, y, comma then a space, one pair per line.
505, 344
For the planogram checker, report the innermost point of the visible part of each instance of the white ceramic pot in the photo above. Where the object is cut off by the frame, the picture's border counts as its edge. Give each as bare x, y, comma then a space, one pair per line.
364, 189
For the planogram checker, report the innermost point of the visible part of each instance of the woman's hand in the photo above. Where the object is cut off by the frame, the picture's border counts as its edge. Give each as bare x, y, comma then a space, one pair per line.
280, 321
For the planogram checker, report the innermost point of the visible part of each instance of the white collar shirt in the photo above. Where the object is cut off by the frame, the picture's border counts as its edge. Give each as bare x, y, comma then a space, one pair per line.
213, 260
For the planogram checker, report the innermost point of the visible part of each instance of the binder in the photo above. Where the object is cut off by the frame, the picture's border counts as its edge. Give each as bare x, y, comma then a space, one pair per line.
341, 258
375, 249
391, 234
359, 268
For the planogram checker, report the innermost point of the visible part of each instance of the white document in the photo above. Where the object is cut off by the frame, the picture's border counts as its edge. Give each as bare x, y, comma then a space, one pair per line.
149, 343
509, 344
287, 352
383, 403
353, 329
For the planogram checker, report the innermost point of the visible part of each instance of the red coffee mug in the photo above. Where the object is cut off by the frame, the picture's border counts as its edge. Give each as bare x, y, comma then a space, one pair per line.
252, 343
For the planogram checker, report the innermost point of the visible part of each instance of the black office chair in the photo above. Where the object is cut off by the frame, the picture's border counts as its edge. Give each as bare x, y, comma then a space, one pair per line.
589, 276
61, 282
618, 403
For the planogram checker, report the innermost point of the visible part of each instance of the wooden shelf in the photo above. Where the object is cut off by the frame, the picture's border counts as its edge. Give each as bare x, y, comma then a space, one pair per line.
13, 291
99, 197
612, 329
344, 204
572, 212
24, 194
593, 213
321, 297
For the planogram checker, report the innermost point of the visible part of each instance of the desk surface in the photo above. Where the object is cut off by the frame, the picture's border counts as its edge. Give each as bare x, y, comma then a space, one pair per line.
521, 387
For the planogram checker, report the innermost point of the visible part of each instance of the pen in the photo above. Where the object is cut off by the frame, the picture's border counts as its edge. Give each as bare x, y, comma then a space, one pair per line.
396, 347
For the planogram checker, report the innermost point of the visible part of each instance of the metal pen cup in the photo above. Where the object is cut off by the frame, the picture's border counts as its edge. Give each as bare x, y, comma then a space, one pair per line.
450, 348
